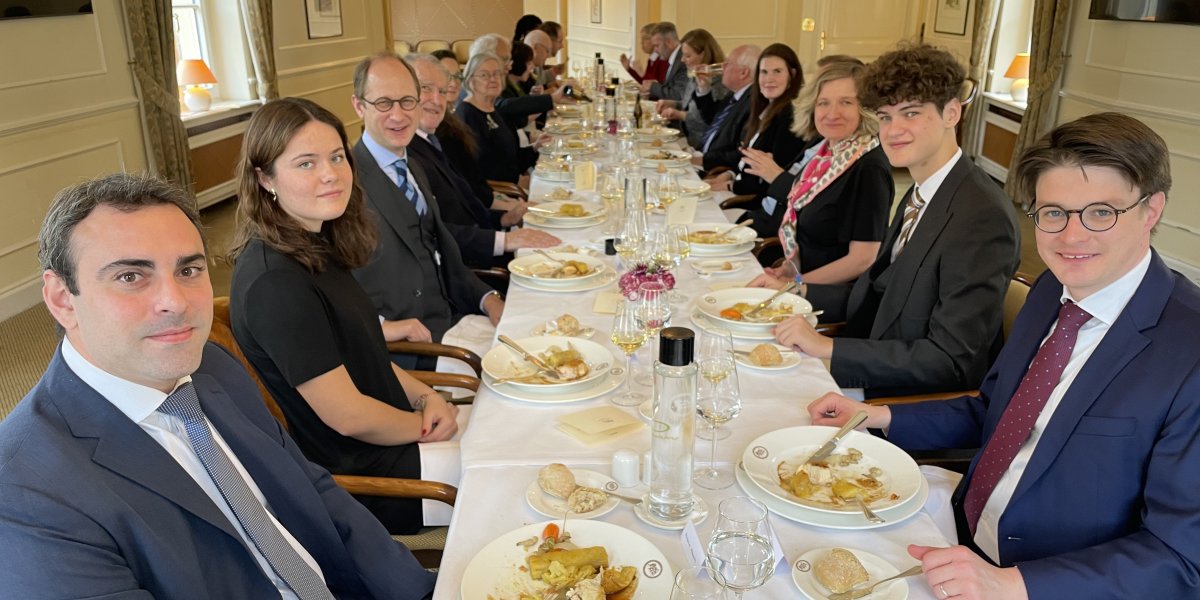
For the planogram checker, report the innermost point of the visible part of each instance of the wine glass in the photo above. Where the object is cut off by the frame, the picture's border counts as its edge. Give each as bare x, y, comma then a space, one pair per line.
720, 405
680, 233
668, 188
699, 583
653, 314
628, 335
632, 242
714, 357
741, 548
610, 193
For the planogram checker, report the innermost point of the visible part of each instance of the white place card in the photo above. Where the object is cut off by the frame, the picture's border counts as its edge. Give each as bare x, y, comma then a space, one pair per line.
585, 176
606, 303
693, 548
682, 211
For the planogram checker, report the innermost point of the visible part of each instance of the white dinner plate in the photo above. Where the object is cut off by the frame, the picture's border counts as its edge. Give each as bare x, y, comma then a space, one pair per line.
692, 187
564, 128
555, 508
737, 237
699, 319
712, 303
845, 521
503, 558
605, 278
795, 444
716, 267
554, 174
657, 133
790, 357
678, 158
573, 147
876, 567
600, 387
502, 361
536, 266
592, 210
541, 221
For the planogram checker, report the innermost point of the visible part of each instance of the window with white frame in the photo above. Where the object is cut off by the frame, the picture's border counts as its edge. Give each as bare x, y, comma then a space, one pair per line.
212, 30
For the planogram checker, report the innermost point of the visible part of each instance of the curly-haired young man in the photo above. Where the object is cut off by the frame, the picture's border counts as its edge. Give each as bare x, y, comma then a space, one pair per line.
926, 316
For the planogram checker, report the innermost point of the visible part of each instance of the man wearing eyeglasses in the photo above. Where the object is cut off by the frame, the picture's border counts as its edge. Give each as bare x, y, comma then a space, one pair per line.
1085, 485
416, 278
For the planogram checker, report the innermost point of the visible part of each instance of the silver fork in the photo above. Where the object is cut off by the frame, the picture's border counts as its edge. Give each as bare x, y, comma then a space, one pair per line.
867, 512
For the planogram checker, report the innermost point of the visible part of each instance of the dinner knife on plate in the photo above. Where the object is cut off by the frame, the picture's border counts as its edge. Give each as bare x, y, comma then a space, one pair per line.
533, 359
831, 445
761, 305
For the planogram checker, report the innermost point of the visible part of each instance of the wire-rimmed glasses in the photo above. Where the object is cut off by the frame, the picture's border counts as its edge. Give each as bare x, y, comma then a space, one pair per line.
1097, 216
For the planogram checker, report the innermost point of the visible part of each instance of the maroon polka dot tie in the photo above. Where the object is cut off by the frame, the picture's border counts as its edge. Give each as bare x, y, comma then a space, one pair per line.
1017, 421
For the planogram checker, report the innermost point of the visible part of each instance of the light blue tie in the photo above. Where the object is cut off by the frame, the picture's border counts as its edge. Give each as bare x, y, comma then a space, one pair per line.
304, 581
410, 192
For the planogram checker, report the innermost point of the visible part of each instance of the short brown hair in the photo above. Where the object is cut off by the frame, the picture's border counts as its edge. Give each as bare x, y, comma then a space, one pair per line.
705, 45
912, 73
363, 69
1107, 139
348, 240
804, 122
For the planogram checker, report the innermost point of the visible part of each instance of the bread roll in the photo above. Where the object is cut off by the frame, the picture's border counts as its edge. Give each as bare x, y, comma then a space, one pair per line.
839, 570
557, 480
766, 355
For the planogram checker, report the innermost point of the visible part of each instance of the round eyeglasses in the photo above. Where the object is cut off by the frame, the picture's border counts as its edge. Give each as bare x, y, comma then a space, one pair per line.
384, 104
1097, 216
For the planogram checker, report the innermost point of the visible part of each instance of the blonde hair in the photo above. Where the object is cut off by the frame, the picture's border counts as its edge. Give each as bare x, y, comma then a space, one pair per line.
803, 123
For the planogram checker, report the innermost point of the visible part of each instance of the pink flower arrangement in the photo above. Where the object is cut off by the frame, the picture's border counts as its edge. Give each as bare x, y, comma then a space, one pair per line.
641, 273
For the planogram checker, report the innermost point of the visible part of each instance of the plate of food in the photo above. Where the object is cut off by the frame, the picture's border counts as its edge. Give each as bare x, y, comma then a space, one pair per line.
576, 363
666, 157
585, 493
733, 308
716, 267
568, 286
571, 145
540, 220
561, 269
533, 562
767, 357
567, 211
657, 132
824, 571
710, 238
557, 194
700, 320
554, 170
863, 466
564, 325
569, 111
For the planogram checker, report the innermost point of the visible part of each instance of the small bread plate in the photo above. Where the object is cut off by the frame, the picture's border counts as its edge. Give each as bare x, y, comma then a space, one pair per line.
699, 514
540, 284
790, 357
783, 307
666, 156
551, 328
844, 521
504, 362
554, 508
716, 267
877, 568
569, 111
567, 212
499, 569
699, 319
705, 241
898, 472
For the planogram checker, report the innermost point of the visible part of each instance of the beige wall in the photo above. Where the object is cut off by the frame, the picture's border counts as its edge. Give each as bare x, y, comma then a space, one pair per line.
69, 113
449, 20
1148, 71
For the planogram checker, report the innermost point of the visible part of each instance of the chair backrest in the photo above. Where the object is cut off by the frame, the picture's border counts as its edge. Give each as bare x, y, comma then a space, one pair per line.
428, 46
1014, 299
222, 334
462, 50
401, 47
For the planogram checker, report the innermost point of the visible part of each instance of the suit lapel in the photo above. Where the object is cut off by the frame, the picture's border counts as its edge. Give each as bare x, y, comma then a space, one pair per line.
382, 193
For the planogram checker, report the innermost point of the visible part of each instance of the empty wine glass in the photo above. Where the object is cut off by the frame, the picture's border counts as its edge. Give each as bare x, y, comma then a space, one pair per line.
742, 545
718, 406
629, 335
714, 357
653, 314
699, 583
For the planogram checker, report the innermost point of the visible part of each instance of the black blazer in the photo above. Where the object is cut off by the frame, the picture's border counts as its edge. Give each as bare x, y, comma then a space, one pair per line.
393, 276
777, 139
723, 151
931, 320
465, 216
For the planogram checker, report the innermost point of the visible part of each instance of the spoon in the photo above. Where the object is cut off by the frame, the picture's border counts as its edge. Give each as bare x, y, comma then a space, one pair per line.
867, 512
860, 592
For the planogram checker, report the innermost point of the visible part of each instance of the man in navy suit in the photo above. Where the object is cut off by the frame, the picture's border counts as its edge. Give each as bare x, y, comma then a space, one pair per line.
1096, 496
105, 492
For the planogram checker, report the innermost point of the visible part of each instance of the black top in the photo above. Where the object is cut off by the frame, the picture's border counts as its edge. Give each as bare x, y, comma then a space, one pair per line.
853, 208
293, 326
777, 139
500, 153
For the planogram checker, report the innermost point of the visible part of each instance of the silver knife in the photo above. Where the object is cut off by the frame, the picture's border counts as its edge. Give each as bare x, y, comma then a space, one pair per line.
831, 445
761, 305
537, 362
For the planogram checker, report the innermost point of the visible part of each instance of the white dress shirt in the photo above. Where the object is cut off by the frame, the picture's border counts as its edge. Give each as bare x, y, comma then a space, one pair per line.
140, 404
1104, 306
929, 189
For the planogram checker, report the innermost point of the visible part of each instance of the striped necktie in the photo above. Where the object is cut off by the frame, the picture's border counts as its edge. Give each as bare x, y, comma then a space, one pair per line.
912, 210
711, 134
291, 568
406, 188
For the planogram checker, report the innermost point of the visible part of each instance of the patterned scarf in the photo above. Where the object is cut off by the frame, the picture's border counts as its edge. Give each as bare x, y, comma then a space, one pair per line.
829, 163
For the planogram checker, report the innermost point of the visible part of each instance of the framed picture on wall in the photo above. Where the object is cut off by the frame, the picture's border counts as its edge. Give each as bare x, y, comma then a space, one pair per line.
951, 17
324, 18
595, 11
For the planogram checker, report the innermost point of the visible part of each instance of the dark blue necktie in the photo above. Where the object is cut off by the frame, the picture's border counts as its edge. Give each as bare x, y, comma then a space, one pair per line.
435, 142
304, 581
716, 124
407, 189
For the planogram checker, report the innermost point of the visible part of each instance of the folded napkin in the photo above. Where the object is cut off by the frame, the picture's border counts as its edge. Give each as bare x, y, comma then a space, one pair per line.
606, 303
598, 425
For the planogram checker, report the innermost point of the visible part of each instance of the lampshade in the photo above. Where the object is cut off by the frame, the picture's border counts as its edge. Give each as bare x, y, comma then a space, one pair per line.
1019, 69
193, 71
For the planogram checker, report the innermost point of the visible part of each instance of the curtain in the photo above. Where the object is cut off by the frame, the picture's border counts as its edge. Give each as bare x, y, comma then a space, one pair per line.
152, 58
1046, 57
982, 36
260, 33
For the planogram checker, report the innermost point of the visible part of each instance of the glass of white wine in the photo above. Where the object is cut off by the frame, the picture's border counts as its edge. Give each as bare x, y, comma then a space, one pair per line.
628, 335
668, 188
653, 314
714, 357
742, 545
721, 404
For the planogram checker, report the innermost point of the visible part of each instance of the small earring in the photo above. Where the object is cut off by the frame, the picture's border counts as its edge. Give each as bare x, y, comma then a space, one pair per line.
274, 196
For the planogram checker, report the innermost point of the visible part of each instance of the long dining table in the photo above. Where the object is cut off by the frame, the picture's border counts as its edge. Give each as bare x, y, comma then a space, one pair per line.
507, 441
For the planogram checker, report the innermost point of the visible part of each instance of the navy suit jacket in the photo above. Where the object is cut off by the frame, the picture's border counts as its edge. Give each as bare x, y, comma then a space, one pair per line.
468, 220
724, 151
1108, 505
91, 506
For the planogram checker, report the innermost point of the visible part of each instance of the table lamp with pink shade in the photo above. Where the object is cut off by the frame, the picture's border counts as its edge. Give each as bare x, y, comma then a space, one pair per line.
1019, 69
193, 73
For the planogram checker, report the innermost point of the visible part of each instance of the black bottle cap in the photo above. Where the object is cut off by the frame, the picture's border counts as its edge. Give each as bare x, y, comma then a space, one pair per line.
616, 81
675, 346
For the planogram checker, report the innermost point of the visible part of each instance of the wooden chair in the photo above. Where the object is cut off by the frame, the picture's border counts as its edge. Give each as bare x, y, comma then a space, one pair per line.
509, 189
462, 50
430, 46
428, 544
401, 47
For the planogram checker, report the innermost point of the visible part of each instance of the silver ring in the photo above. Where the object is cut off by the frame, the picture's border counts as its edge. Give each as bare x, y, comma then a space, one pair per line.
942, 589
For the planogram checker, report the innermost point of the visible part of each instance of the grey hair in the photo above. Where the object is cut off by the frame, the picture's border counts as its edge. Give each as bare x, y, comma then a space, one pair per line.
121, 191
415, 57
487, 43
473, 65
749, 57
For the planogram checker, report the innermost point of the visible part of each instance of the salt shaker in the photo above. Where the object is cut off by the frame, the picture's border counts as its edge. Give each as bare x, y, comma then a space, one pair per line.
625, 467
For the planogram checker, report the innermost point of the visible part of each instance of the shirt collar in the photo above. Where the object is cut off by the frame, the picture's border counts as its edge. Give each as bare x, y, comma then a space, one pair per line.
384, 157
930, 186
136, 401
424, 136
674, 55
738, 94
1108, 303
